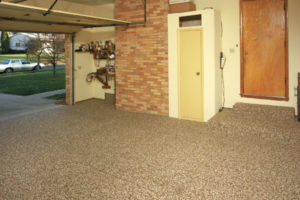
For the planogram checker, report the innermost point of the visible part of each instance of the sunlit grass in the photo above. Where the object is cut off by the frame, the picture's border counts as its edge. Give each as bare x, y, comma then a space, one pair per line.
32, 82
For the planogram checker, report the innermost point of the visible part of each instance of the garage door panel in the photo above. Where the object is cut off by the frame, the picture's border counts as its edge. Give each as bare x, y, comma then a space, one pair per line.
17, 17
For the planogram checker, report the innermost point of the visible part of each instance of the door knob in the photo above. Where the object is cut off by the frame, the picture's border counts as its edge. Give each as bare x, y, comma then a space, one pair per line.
198, 73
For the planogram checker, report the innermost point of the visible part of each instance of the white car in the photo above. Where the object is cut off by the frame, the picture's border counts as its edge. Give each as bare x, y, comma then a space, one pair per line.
16, 65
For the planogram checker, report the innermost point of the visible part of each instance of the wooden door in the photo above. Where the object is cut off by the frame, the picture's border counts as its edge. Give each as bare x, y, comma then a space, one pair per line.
190, 74
264, 56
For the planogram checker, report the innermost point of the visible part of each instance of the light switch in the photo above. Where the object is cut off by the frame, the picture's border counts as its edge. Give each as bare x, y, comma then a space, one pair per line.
231, 50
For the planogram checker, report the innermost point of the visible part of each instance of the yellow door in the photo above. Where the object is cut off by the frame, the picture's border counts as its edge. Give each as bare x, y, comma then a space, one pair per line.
190, 73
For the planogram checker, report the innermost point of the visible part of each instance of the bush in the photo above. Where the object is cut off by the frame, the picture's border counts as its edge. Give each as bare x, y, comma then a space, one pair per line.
11, 51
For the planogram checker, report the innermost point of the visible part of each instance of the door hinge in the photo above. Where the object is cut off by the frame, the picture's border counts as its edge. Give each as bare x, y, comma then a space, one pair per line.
284, 43
284, 7
285, 80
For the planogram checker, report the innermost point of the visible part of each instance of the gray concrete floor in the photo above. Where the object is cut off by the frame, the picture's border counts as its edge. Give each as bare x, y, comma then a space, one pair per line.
12, 106
92, 151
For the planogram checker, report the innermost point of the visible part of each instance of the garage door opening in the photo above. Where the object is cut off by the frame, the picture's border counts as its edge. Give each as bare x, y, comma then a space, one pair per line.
32, 72
82, 23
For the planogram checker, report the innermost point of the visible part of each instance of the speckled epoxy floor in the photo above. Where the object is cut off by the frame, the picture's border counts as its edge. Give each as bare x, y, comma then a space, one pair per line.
91, 151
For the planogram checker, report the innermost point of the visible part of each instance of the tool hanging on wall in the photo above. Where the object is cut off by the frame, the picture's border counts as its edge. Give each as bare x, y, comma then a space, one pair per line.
104, 71
222, 64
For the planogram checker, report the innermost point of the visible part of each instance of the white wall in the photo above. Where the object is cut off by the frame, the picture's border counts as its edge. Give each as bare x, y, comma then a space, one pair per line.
231, 40
85, 64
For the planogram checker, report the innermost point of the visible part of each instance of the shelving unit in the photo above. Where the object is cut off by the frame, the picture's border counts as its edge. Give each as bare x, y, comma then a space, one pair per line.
102, 74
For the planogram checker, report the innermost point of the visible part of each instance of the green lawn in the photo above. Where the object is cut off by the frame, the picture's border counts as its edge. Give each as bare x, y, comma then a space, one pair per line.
12, 56
30, 58
27, 83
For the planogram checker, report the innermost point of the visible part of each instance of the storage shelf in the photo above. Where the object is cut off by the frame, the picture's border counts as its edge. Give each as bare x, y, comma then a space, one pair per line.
84, 52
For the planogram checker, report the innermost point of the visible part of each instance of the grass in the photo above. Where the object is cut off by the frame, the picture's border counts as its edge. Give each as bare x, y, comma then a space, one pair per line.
12, 56
30, 58
28, 83
57, 96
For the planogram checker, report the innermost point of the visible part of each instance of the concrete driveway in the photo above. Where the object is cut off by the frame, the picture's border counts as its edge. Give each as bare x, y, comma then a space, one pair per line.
13, 105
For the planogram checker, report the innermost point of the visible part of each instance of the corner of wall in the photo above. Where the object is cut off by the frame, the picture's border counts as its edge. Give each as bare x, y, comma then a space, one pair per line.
68, 68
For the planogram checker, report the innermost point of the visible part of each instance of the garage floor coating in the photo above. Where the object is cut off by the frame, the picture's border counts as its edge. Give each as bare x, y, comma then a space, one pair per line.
92, 151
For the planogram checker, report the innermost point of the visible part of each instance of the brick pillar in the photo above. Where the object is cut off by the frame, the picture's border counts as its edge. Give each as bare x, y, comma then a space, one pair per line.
68, 68
142, 57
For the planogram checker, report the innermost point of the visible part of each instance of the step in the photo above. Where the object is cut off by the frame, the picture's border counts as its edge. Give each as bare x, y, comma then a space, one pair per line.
271, 112
110, 98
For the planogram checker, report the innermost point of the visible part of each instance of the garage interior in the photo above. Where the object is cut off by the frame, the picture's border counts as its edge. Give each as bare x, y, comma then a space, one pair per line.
154, 131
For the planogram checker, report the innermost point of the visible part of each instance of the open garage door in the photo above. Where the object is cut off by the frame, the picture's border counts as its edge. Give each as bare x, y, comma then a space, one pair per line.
19, 17
37, 17
34, 17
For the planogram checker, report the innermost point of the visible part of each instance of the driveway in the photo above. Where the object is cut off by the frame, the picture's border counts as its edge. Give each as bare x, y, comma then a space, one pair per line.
13, 105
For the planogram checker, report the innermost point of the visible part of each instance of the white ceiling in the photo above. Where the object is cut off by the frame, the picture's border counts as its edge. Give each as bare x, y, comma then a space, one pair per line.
92, 2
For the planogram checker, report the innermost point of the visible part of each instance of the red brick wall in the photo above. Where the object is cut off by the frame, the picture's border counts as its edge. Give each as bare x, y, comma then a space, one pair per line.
68, 68
142, 57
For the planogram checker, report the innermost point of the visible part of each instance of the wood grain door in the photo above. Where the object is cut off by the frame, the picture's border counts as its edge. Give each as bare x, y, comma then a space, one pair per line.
190, 73
264, 67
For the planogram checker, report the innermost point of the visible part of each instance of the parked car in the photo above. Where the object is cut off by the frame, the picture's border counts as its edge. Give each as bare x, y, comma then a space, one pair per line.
15, 65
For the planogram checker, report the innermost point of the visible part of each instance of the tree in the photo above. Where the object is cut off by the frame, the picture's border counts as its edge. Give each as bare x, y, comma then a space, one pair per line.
5, 42
54, 47
35, 47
